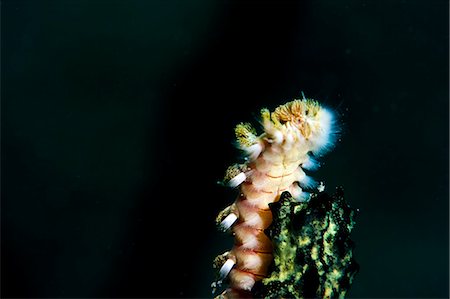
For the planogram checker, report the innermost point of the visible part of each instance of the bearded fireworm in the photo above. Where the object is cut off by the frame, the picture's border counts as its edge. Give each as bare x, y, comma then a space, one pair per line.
294, 136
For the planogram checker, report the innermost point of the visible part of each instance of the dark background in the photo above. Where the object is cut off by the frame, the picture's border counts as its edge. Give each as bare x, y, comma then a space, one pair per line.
118, 116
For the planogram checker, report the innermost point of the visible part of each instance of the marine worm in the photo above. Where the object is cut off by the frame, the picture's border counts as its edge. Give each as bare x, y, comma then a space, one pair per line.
294, 134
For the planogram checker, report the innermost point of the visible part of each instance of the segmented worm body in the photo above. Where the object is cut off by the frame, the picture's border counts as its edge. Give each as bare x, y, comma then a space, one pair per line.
293, 133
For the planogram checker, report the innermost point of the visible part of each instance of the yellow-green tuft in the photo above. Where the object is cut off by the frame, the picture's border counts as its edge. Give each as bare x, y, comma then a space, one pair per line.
245, 134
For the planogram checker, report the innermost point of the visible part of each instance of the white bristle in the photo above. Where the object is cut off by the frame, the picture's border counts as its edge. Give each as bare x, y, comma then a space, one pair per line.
308, 182
310, 164
300, 174
296, 191
237, 180
323, 140
226, 268
254, 150
304, 196
228, 221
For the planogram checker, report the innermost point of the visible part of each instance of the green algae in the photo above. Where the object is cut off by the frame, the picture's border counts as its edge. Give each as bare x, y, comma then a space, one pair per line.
313, 253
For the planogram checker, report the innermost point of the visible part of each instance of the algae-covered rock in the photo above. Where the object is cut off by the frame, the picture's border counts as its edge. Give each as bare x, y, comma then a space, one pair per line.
313, 253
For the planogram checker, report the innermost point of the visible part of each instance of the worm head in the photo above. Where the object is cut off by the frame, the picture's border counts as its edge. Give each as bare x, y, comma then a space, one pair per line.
314, 122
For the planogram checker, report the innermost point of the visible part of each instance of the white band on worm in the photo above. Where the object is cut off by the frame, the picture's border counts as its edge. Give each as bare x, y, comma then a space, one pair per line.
226, 268
237, 180
228, 221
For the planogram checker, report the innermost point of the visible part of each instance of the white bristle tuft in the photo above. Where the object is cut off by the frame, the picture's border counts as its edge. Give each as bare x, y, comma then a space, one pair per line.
304, 196
254, 151
310, 164
324, 140
300, 174
237, 180
228, 221
296, 191
308, 182
226, 268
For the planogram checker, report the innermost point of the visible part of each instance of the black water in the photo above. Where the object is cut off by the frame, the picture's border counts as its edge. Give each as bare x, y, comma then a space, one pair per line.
117, 121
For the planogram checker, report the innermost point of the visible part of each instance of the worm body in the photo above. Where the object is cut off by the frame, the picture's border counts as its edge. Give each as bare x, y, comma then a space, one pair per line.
293, 134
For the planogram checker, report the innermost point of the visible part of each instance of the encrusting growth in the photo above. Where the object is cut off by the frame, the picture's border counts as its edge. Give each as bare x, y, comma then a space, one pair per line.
313, 252
293, 133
